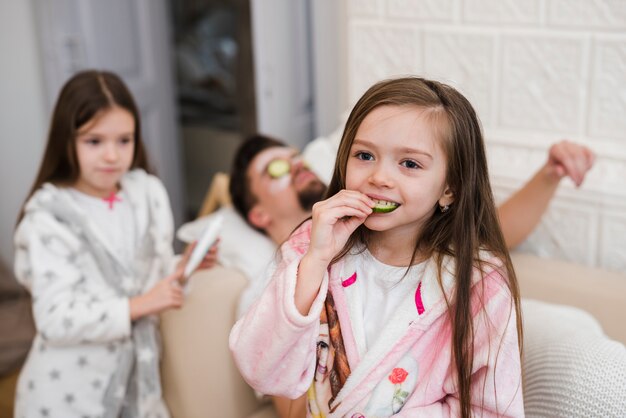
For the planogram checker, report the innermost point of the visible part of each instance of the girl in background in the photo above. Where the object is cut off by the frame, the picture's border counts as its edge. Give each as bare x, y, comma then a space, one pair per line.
398, 297
94, 247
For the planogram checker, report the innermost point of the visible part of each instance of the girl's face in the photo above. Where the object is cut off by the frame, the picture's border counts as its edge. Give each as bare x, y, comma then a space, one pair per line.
105, 147
397, 160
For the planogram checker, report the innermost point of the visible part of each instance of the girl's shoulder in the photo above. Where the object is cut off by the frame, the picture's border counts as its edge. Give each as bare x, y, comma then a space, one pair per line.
486, 266
41, 214
137, 182
488, 261
302, 232
298, 242
38, 205
491, 270
46, 193
139, 177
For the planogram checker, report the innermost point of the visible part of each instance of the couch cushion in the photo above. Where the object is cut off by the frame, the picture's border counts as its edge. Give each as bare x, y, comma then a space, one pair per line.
571, 369
267, 411
199, 376
597, 291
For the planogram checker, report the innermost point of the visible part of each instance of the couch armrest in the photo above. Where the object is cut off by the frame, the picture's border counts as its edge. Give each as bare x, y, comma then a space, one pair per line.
199, 376
597, 291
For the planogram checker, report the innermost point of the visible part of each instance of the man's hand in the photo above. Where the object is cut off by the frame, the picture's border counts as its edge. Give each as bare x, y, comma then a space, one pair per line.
569, 159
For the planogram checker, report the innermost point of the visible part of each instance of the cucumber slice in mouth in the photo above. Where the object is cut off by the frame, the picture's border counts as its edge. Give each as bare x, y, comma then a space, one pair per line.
384, 207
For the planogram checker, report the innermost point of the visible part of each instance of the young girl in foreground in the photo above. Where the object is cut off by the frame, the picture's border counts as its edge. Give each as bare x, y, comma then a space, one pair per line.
94, 247
398, 298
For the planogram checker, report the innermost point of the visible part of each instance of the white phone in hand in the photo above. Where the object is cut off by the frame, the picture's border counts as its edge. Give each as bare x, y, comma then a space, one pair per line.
207, 239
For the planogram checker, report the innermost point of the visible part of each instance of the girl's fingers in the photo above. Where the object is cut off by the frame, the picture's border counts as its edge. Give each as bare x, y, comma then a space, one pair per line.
180, 267
350, 197
353, 222
189, 250
333, 215
207, 264
339, 204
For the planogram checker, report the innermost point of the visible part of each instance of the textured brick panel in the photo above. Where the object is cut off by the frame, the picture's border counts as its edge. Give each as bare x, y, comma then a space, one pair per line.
502, 11
541, 83
365, 8
608, 177
613, 243
533, 69
434, 10
604, 14
379, 52
465, 61
513, 161
566, 233
608, 89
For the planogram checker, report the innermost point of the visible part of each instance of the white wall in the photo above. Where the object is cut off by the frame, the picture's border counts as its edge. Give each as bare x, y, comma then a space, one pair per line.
537, 71
283, 70
329, 43
23, 123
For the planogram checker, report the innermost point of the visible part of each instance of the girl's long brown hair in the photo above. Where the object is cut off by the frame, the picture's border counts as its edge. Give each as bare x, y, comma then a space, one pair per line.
82, 97
470, 225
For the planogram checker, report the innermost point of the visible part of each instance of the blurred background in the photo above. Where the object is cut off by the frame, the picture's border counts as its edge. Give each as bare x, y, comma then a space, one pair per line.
206, 73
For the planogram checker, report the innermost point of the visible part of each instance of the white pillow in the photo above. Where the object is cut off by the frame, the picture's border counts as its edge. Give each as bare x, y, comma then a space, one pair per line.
321, 153
571, 369
240, 246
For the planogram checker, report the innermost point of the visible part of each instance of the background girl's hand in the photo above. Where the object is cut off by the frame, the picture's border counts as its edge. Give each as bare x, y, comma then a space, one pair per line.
166, 294
334, 220
209, 260
569, 159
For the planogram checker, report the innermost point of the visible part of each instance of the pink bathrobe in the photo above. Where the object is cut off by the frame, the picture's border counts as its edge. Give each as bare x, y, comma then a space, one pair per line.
407, 372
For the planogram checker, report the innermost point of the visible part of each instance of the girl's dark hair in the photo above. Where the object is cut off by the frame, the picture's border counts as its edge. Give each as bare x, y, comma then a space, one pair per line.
470, 225
82, 97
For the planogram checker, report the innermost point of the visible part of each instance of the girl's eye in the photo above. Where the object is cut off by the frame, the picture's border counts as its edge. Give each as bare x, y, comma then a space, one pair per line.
365, 156
410, 164
92, 141
126, 140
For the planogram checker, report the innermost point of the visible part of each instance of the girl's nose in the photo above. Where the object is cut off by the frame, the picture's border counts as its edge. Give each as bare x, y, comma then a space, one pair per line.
380, 177
111, 153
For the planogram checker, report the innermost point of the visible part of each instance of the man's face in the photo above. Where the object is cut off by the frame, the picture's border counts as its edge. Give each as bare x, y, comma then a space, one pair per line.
282, 184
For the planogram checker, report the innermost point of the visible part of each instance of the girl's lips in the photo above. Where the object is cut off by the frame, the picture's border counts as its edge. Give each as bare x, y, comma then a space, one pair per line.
376, 198
384, 206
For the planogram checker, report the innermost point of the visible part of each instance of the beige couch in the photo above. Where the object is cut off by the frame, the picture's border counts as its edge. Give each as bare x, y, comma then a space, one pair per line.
200, 379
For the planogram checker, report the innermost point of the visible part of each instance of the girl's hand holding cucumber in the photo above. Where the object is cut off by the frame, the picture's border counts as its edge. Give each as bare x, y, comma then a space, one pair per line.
334, 220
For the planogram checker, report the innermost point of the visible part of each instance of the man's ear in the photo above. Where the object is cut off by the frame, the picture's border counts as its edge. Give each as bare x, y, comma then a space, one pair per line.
446, 198
259, 217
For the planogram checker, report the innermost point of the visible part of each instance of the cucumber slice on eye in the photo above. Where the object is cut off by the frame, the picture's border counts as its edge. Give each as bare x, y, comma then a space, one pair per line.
278, 168
384, 208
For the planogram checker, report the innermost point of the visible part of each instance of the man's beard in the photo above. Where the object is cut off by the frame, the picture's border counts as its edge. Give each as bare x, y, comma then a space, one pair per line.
311, 194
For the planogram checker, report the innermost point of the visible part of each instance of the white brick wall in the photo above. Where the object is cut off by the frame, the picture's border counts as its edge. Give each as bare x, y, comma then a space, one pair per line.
536, 71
